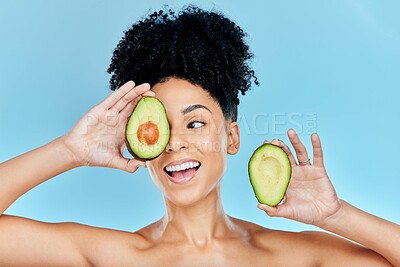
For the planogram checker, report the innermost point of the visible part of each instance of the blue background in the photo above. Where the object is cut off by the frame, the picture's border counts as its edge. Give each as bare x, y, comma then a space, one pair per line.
329, 66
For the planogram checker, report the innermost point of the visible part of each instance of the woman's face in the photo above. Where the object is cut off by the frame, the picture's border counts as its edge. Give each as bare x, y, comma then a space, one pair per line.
194, 160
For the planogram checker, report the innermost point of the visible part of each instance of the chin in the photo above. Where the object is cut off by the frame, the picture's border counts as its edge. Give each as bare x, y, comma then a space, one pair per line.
190, 195
183, 195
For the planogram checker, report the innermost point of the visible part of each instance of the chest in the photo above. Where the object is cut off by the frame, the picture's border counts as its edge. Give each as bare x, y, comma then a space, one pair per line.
195, 258
225, 253
183, 256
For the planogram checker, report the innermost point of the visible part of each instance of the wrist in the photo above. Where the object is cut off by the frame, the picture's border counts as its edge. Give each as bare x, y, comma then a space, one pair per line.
333, 220
63, 151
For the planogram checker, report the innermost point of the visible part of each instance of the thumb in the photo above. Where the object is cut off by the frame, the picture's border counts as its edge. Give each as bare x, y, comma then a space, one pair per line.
128, 165
277, 211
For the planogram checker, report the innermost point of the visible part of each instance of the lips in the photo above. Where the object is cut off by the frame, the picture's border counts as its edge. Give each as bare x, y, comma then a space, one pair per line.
182, 171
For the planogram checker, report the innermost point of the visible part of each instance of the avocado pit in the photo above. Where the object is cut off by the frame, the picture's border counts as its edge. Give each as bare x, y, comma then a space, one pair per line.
148, 133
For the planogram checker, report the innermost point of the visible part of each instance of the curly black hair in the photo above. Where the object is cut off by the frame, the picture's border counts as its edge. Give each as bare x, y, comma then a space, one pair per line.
202, 47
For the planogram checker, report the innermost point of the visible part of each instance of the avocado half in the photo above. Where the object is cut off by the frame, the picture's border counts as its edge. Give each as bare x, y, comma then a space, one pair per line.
147, 131
269, 171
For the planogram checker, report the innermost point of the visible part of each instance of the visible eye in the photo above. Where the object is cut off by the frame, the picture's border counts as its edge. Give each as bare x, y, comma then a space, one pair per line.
195, 124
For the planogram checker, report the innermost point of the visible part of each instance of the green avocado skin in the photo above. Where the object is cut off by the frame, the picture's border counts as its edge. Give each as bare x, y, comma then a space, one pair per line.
126, 134
136, 156
275, 203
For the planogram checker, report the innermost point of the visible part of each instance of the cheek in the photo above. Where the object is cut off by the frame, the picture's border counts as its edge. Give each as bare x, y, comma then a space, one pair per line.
214, 147
210, 141
218, 154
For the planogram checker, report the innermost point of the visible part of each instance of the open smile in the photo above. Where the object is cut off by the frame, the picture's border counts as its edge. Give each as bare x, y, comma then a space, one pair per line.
182, 171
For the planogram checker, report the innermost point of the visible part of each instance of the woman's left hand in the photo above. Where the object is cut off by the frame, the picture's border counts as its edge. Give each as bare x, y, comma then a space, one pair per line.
310, 197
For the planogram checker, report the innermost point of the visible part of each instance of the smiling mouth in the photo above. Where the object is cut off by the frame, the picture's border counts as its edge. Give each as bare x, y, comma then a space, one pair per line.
182, 173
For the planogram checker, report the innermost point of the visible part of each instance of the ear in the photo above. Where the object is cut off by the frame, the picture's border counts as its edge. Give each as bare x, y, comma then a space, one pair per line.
233, 138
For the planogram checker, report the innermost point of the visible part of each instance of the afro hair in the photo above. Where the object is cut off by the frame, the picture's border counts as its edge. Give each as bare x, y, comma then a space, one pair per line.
202, 47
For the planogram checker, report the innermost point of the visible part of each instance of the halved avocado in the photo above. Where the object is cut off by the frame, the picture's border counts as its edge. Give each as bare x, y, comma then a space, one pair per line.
147, 130
269, 171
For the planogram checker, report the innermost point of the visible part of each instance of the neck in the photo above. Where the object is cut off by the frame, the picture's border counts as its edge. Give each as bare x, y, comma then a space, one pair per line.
198, 223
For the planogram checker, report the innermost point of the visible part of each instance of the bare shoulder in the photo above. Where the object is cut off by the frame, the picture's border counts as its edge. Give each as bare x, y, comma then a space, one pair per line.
314, 248
105, 234
279, 243
26, 241
106, 247
334, 250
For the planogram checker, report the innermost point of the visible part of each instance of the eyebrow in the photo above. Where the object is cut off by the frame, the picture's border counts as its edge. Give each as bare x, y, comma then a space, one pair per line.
193, 107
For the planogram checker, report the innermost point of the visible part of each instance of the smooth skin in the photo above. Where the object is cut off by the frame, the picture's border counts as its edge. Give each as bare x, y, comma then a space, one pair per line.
195, 231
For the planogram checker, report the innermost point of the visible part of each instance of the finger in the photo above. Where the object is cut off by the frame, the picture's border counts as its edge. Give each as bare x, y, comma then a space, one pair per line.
133, 95
117, 95
318, 158
265, 142
301, 152
285, 148
277, 211
128, 165
128, 109
271, 211
149, 93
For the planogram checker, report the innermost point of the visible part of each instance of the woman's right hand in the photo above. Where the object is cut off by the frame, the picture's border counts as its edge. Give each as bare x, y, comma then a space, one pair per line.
98, 138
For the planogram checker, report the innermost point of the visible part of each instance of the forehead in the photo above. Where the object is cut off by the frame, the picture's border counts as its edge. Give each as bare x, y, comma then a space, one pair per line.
177, 94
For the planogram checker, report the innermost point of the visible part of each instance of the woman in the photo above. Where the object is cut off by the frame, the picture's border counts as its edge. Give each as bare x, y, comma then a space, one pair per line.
195, 63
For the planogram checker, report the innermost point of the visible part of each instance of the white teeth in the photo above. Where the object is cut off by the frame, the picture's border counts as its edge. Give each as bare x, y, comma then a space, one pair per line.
184, 166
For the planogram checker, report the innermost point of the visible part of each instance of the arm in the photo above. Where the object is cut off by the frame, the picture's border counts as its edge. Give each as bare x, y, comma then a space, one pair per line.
329, 250
24, 241
311, 198
373, 232
20, 174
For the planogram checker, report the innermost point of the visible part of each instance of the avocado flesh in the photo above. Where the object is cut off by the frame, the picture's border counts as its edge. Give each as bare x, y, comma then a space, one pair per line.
147, 130
269, 171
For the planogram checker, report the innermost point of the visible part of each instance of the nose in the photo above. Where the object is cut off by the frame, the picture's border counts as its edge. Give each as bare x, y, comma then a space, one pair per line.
177, 142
